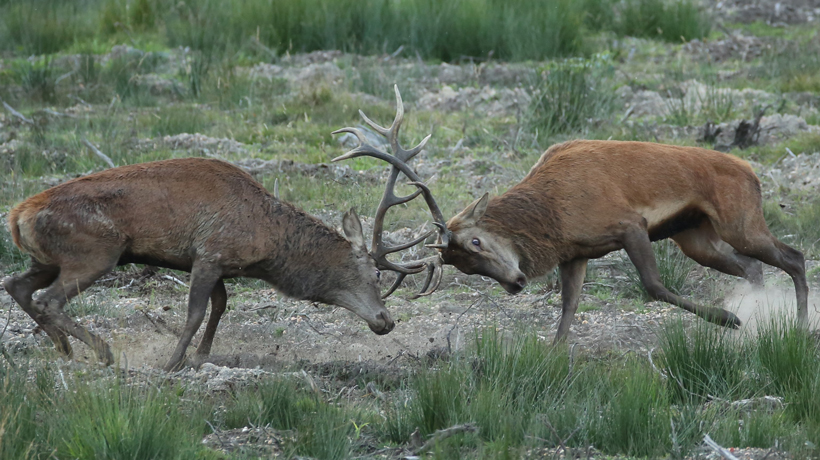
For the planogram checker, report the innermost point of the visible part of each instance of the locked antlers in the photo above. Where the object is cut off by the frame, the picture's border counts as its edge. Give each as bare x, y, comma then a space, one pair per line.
398, 161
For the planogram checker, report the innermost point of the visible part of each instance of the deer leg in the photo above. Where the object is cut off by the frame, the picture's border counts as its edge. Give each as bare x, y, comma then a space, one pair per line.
572, 280
21, 288
219, 302
755, 240
788, 259
639, 249
203, 283
72, 280
704, 246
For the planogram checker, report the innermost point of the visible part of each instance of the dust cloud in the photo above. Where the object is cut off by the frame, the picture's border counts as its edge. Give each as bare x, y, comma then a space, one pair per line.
757, 305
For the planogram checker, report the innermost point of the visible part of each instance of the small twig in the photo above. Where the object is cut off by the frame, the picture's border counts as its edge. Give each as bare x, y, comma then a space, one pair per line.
395, 53
455, 325
444, 434
71, 96
717, 448
176, 280
145, 313
262, 308
649, 355
3, 350
97, 152
561, 442
398, 355
371, 388
215, 433
56, 113
17, 114
307, 321
62, 379
64, 76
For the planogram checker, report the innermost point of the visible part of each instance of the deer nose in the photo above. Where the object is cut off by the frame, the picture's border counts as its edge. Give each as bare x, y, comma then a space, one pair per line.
389, 324
521, 282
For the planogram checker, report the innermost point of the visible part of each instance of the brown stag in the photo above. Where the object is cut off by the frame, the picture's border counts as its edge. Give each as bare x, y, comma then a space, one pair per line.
584, 199
202, 216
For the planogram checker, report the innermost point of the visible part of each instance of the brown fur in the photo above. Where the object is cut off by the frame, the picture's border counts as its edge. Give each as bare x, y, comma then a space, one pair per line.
198, 215
584, 199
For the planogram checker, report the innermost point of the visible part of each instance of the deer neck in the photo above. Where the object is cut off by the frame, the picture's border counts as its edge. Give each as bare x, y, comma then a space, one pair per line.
532, 224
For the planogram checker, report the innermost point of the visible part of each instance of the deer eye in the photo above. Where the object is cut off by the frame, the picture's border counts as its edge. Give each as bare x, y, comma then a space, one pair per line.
476, 242
378, 275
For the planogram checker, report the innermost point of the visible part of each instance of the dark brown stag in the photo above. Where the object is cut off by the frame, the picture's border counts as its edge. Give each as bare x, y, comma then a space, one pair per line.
585, 199
203, 216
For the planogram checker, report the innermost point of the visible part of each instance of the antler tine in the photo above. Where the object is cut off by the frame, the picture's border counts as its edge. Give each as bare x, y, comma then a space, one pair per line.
435, 270
409, 244
395, 285
398, 161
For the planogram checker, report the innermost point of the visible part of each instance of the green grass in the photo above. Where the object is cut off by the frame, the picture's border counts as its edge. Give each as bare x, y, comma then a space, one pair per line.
265, 29
520, 392
797, 228
570, 95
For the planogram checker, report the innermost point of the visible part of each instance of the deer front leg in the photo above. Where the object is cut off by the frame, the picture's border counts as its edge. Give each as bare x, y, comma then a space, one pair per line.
639, 249
203, 282
572, 280
219, 302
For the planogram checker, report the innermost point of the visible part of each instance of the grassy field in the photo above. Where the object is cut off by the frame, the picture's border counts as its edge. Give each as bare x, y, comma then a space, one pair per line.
265, 82
517, 397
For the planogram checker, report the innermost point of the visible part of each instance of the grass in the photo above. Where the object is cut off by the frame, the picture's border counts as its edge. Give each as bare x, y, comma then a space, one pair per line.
797, 228
570, 95
449, 31
520, 392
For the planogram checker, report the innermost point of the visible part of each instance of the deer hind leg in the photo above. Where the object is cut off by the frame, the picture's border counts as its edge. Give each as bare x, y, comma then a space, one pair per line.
203, 282
72, 280
219, 302
704, 246
639, 249
763, 246
572, 280
21, 288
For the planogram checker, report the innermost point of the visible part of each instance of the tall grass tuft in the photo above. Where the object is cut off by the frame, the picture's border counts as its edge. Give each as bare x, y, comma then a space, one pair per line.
18, 425
635, 419
123, 422
37, 79
36, 27
570, 94
703, 361
788, 353
674, 21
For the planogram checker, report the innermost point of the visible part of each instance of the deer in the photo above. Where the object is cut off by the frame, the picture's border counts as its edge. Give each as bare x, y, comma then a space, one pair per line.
584, 199
202, 216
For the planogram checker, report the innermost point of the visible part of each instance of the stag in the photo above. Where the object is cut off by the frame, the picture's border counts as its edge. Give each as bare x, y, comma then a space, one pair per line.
202, 216
584, 199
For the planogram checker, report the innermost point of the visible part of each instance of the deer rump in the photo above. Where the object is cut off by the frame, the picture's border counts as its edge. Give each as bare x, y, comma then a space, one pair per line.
198, 215
585, 199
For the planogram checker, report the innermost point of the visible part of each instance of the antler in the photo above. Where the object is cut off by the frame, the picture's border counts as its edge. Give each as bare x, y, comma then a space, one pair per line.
398, 161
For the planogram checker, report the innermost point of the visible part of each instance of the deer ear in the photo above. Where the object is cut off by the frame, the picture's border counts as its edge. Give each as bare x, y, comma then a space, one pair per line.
353, 229
475, 211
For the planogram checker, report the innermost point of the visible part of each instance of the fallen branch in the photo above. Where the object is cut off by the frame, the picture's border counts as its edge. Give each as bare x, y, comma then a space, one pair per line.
176, 280
97, 152
3, 350
17, 114
56, 113
717, 448
444, 434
